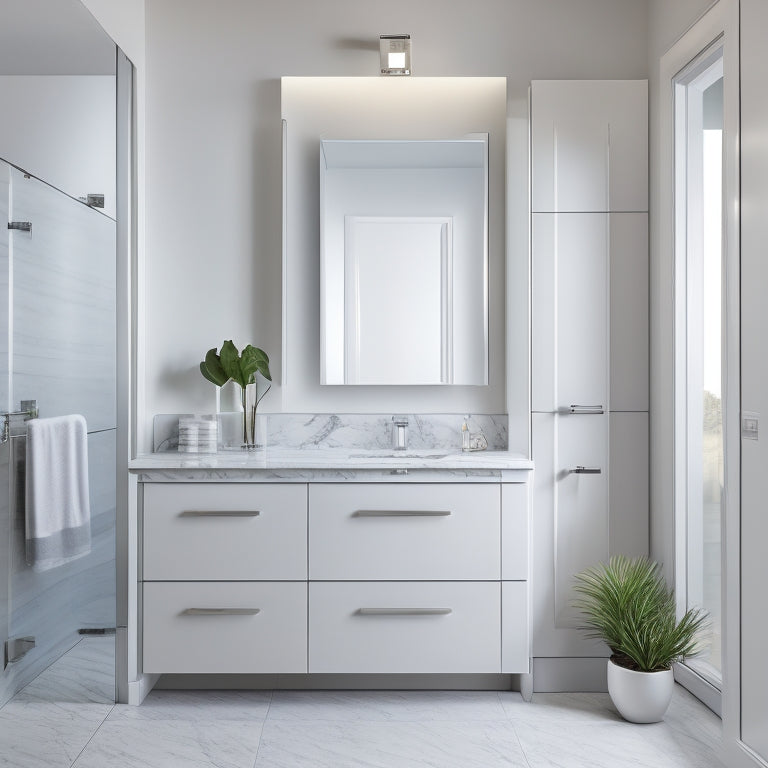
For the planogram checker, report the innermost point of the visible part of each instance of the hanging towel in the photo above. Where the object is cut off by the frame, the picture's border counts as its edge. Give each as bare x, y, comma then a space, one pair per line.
58, 514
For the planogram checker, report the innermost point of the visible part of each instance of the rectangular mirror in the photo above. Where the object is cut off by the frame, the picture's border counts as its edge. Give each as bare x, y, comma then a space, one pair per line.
404, 261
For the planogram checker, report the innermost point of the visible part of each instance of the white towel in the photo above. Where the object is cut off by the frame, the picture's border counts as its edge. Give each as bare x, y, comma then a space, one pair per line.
58, 512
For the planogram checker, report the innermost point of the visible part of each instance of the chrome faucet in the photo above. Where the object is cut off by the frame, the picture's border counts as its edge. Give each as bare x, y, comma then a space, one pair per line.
399, 433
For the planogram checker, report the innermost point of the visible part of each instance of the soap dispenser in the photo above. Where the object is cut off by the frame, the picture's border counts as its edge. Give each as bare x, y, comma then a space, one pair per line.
465, 434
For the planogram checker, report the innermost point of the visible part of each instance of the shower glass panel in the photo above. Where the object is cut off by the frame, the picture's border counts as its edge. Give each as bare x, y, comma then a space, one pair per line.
57, 347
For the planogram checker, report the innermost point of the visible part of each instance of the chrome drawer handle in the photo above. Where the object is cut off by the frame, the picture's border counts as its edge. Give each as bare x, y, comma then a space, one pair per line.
219, 513
586, 409
221, 611
586, 471
400, 513
404, 611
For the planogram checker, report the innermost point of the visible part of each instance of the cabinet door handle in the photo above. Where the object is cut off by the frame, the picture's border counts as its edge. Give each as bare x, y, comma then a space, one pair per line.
585, 409
221, 611
400, 513
404, 611
220, 513
586, 470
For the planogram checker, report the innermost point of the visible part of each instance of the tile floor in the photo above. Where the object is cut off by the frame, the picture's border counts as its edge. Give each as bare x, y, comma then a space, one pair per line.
66, 718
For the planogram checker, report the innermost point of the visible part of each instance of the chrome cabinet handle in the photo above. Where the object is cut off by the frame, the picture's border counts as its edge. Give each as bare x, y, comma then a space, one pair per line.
585, 409
404, 611
400, 513
220, 513
586, 470
221, 611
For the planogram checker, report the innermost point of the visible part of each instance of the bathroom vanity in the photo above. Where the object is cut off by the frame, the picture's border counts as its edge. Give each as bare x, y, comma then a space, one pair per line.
332, 562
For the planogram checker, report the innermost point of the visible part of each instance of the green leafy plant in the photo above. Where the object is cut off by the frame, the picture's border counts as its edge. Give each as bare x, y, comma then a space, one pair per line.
626, 603
229, 364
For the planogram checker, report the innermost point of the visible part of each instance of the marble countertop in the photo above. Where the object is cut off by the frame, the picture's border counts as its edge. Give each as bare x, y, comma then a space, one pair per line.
333, 459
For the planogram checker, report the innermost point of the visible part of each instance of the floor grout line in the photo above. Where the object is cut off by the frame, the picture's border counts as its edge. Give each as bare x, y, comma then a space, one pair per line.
263, 724
96, 730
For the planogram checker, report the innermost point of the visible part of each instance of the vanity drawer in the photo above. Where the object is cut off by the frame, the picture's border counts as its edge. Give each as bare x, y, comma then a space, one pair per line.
225, 627
224, 531
398, 627
410, 532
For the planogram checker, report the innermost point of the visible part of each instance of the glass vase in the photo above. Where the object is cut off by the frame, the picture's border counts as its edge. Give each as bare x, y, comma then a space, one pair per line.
251, 438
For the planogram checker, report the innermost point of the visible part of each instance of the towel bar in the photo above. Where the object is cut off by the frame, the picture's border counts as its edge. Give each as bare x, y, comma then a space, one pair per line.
28, 409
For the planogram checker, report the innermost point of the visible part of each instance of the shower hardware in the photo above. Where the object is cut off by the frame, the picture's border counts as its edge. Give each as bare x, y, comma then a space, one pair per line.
16, 648
21, 226
93, 201
28, 409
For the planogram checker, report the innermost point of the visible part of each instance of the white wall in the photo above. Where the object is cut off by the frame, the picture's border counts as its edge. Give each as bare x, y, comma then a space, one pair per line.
214, 142
123, 21
61, 128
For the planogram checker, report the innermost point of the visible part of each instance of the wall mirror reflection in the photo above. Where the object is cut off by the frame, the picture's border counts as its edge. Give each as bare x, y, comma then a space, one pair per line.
404, 261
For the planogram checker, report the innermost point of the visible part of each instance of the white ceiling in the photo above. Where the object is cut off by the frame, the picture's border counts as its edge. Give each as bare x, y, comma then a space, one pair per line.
52, 37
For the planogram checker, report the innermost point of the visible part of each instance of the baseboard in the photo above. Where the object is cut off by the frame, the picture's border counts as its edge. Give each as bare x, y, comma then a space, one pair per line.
563, 675
138, 689
341, 682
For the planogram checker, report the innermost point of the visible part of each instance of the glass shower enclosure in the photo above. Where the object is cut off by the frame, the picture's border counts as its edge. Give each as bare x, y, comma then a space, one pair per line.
57, 357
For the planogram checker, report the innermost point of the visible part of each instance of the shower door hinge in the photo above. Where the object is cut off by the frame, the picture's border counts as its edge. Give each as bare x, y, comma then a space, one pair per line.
94, 201
16, 648
22, 226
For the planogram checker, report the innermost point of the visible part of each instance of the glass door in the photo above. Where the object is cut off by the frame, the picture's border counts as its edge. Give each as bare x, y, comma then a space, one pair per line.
57, 347
699, 284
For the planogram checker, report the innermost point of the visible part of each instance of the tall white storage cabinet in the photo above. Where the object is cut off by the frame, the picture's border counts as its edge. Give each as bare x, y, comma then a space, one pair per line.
589, 387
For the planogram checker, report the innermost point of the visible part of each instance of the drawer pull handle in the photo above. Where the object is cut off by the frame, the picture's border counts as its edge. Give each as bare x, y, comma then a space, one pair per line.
220, 513
400, 513
585, 409
586, 470
404, 611
221, 611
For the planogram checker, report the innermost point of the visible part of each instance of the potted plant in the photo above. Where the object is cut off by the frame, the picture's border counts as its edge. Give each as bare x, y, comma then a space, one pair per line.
241, 368
627, 604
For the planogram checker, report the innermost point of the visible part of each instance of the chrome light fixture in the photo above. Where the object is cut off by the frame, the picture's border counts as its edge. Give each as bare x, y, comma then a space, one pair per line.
395, 53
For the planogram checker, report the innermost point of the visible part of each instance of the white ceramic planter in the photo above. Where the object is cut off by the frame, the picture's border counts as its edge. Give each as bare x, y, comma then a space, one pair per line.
640, 697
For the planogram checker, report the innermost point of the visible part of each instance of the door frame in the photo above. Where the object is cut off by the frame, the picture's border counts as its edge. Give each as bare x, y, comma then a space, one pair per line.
721, 20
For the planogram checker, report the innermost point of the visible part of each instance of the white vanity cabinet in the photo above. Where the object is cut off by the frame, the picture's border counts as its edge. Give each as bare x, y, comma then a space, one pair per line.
589, 368
224, 577
335, 577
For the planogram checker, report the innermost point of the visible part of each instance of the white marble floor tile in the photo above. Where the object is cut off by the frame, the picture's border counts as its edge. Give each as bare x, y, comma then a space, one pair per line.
197, 706
552, 744
689, 716
86, 673
566, 708
389, 745
43, 734
386, 706
148, 743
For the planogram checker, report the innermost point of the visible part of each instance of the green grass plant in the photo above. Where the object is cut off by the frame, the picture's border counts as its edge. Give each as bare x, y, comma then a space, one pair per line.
627, 604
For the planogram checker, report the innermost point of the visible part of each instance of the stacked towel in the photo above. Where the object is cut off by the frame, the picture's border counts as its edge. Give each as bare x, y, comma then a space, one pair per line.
58, 514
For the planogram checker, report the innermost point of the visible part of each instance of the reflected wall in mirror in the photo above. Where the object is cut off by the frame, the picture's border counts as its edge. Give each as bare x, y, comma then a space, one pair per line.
397, 116
404, 261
